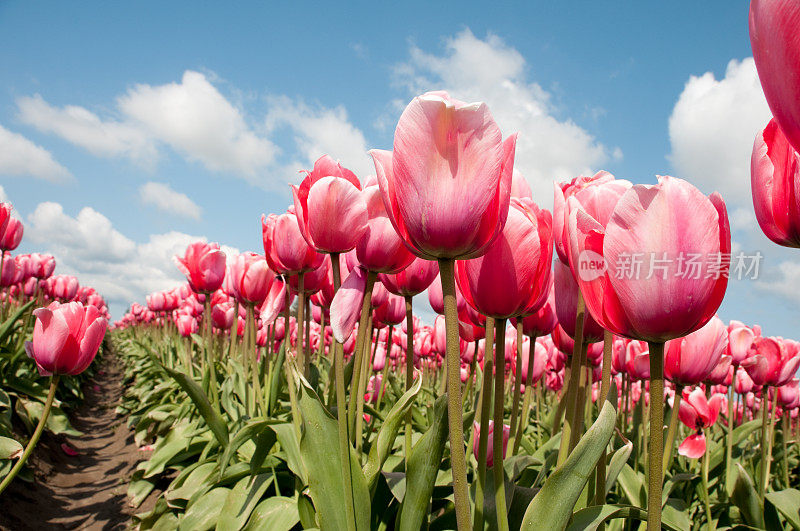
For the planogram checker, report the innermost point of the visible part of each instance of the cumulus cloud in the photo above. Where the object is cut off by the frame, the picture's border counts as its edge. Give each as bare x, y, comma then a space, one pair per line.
195, 119
165, 199
318, 130
88, 246
21, 157
489, 70
712, 128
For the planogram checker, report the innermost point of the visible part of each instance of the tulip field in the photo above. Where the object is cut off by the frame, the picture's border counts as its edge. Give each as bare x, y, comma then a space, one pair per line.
576, 375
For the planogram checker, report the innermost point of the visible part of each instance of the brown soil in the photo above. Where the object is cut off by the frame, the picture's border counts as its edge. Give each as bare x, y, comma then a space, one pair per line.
87, 491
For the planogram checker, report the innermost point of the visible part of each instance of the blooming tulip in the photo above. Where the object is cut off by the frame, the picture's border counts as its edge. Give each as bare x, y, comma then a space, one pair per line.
690, 359
697, 413
12, 235
251, 278
204, 266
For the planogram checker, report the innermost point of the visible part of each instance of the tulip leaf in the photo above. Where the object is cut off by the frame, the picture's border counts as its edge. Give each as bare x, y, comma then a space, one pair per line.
746, 499
553, 504
618, 460
423, 467
320, 454
277, 372
387, 435
242, 500
787, 502
276, 513
8, 325
9, 448
203, 514
218, 426
591, 518
249, 431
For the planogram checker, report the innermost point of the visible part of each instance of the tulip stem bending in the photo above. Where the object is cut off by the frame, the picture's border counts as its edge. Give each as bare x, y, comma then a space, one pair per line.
654, 462
454, 405
37, 433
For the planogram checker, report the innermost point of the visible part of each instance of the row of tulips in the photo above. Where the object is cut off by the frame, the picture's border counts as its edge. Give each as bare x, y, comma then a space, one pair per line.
60, 325
448, 196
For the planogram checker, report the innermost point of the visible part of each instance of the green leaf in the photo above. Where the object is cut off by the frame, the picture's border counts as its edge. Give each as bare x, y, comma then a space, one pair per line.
746, 499
8, 325
218, 426
618, 460
633, 486
9, 448
385, 440
139, 488
552, 506
787, 502
249, 431
202, 515
287, 438
195, 480
276, 513
277, 372
590, 518
423, 467
320, 453
241, 501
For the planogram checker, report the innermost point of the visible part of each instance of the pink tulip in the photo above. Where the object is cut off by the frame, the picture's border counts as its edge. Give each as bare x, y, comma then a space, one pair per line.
436, 297
286, 244
5, 219
789, 394
12, 235
519, 186
690, 359
740, 341
774, 178
187, 324
773, 363
63, 287
598, 195
663, 223
490, 446
11, 272
66, 338
251, 278
42, 265
331, 211
393, 311
566, 303
776, 50
512, 277
544, 320
380, 249
697, 413
447, 184
412, 280
204, 266
743, 384
722, 374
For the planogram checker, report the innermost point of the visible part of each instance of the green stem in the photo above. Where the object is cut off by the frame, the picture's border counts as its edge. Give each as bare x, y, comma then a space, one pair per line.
729, 438
341, 413
256, 372
363, 328
37, 433
575, 376
654, 463
454, 410
485, 400
784, 436
767, 440
706, 501
212, 381
672, 430
385, 370
409, 370
526, 402
366, 368
580, 400
517, 388
497, 433
303, 360
605, 386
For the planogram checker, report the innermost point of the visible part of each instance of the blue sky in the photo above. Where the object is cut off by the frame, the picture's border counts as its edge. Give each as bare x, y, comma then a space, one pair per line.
127, 129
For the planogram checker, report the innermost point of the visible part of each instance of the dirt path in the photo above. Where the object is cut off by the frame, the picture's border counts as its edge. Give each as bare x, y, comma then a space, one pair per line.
86, 491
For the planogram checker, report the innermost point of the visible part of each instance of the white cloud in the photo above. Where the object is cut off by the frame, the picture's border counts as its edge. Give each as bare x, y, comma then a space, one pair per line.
712, 129
164, 198
488, 70
21, 157
196, 120
89, 247
83, 128
319, 130
784, 282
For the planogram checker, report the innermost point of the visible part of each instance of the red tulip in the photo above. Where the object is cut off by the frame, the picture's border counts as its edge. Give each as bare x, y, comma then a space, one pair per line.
689, 360
12, 235
447, 184
697, 413
66, 338
774, 179
204, 266
513, 276
663, 225
776, 50
331, 211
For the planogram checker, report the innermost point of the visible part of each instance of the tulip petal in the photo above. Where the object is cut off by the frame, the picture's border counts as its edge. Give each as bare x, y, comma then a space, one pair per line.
694, 446
346, 305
